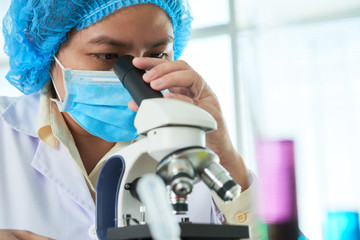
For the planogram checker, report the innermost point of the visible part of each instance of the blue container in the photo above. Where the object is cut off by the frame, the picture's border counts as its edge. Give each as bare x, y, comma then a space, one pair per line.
342, 225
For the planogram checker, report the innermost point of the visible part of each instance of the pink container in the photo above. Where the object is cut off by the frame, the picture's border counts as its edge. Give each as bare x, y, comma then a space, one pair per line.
276, 193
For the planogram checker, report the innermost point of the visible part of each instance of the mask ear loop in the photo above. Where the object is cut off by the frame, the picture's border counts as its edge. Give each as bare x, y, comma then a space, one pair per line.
62, 67
57, 93
58, 62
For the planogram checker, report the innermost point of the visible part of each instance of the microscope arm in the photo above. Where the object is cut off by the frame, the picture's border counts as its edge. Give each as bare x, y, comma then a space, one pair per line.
108, 185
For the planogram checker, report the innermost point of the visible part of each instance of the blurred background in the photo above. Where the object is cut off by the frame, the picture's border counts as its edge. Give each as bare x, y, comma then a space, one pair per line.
283, 69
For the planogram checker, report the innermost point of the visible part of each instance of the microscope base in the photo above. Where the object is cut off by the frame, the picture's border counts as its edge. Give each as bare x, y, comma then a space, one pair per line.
189, 231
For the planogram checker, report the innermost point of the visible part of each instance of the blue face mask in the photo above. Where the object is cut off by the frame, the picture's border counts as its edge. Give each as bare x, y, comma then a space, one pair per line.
98, 101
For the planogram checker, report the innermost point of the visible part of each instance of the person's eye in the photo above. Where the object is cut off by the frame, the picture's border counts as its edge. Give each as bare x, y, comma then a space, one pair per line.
159, 55
106, 57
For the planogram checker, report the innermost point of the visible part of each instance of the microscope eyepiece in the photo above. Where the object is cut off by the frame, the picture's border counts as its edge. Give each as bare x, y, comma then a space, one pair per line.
131, 78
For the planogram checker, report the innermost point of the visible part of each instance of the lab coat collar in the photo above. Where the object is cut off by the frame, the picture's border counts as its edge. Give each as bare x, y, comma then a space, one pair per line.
22, 114
63, 171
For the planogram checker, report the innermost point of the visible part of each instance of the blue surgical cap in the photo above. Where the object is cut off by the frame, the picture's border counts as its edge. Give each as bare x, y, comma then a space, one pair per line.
35, 29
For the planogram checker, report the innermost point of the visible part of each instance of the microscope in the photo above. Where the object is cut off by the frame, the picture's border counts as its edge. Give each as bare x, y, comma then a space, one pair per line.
172, 147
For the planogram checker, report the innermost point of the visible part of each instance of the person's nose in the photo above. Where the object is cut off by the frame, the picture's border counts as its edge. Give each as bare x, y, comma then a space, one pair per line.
136, 53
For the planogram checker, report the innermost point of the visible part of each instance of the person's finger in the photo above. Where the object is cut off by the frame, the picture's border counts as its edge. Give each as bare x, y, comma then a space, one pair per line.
147, 63
178, 97
187, 79
28, 235
179, 90
162, 68
7, 234
133, 106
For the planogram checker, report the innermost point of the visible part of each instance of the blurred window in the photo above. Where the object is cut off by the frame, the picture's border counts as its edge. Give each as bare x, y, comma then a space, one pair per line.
211, 57
301, 73
209, 13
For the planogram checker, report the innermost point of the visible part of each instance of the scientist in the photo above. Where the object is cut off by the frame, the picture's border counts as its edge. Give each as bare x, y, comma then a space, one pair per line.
55, 138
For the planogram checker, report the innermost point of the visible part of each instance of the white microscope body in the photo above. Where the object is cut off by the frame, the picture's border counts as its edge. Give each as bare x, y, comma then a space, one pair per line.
171, 145
174, 148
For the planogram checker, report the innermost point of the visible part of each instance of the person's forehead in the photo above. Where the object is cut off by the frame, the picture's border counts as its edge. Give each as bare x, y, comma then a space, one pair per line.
131, 20
146, 12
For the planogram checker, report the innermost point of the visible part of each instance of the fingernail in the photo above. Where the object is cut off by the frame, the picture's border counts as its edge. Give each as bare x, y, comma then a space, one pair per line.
149, 75
157, 82
135, 59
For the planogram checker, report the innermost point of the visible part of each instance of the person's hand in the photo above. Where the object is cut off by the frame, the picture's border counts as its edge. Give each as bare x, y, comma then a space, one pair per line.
11, 234
185, 84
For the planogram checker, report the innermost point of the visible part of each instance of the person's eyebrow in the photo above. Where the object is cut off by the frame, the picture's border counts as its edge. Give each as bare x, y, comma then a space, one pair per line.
105, 40
165, 41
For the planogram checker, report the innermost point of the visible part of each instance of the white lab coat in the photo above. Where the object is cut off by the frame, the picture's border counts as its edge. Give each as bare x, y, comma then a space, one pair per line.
42, 189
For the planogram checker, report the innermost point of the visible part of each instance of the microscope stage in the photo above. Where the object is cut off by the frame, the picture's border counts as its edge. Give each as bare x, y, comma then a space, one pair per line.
189, 231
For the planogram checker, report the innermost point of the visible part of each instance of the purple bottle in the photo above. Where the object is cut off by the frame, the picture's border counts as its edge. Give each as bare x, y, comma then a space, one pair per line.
276, 193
